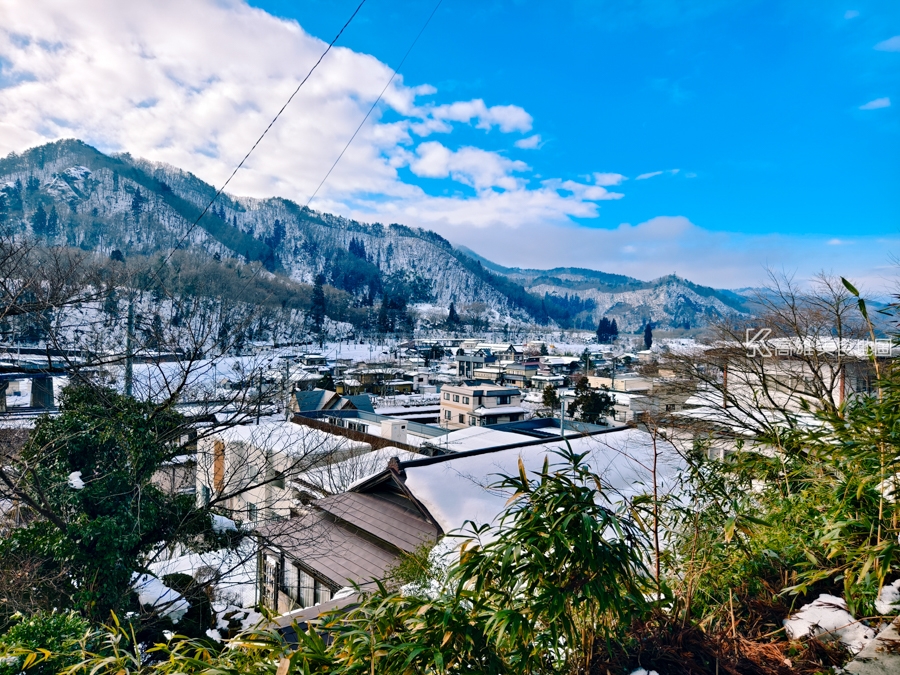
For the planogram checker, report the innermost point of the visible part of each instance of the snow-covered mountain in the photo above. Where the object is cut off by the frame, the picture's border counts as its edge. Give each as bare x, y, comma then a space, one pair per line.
69, 193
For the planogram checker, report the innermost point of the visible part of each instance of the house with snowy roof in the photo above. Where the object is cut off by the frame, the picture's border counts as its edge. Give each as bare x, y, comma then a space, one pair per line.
358, 537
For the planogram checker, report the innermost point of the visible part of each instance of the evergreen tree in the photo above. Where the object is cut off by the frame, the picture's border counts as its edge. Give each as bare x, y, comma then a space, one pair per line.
137, 204
607, 331
550, 398
648, 336
317, 310
39, 221
590, 404
453, 319
52, 222
544, 350
103, 516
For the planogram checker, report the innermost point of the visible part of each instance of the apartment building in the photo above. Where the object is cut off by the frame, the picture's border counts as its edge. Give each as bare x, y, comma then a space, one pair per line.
480, 404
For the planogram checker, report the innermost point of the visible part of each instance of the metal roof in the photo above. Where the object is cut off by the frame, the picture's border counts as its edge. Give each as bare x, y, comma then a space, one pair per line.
389, 521
331, 551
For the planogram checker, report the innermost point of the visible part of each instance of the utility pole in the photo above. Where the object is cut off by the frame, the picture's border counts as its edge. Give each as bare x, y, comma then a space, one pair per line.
259, 398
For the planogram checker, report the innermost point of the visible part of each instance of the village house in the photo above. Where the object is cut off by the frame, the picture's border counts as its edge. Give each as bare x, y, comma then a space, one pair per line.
246, 467
359, 536
520, 374
480, 404
469, 362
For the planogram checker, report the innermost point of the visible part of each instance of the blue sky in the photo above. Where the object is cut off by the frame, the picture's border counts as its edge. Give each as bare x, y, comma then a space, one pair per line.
710, 138
757, 104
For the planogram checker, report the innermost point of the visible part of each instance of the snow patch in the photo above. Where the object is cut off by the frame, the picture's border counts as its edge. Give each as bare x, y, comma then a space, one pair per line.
888, 601
643, 671
827, 618
344, 592
222, 524
78, 172
75, 481
154, 593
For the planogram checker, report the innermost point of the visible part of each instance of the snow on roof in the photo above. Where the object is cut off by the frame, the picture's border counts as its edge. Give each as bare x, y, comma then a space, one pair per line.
475, 438
408, 409
500, 410
341, 476
289, 438
458, 489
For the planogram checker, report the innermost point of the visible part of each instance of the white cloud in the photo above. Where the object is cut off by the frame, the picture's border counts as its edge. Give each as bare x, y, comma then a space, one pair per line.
654, 174
877, 103
474, 167
193, 84
851, 14
608, 179
528, 143
889, 45
507, 118
668, 244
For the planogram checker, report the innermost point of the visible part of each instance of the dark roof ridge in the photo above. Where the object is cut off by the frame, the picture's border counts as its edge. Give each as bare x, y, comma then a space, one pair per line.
437, 459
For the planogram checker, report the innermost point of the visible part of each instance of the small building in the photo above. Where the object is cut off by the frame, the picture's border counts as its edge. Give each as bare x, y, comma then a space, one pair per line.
480, 404
520, 374
625, 382
468, 362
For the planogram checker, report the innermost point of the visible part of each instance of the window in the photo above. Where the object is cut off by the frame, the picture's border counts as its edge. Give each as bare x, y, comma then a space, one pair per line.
472, 420
462, 419
465, 399
251, 512
448, 415
503, 400
291, 581
456, 398
307, 596
204, 495
270, 581
323, 593
446, 397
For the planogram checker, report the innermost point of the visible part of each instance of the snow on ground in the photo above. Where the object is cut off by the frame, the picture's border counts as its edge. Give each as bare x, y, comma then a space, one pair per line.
231, 620
888, 601
237, 585
827, 618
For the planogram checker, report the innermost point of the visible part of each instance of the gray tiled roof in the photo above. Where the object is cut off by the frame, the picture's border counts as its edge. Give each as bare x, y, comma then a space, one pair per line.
332, 552
404, 528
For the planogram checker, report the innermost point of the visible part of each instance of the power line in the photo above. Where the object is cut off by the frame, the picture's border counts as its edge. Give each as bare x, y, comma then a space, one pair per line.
393, 76
261, 136
377, 100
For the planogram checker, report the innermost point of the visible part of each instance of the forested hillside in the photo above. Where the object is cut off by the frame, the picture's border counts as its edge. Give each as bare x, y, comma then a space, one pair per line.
68, 193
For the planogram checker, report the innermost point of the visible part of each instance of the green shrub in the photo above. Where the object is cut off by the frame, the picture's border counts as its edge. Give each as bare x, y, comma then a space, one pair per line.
54, 632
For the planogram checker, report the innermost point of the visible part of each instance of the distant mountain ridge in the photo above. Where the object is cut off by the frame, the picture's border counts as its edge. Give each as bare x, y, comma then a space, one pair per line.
105, 202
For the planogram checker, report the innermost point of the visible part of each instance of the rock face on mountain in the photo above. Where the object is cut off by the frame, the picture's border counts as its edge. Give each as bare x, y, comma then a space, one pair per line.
69, 193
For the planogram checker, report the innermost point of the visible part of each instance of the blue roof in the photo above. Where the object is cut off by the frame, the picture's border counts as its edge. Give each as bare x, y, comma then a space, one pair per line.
361, 402
310, 400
